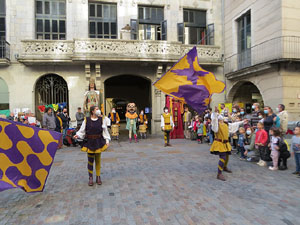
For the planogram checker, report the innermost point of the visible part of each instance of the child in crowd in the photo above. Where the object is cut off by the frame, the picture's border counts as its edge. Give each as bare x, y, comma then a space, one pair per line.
241, 143
261, 140
296, 150
199, 129
250, 150
274, 144
191, 127
209, 131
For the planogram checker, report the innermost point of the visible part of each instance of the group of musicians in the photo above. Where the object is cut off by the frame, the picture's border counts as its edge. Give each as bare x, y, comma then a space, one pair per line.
115, 122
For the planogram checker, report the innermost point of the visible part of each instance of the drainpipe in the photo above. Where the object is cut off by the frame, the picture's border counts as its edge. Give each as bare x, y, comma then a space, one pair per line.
223, 50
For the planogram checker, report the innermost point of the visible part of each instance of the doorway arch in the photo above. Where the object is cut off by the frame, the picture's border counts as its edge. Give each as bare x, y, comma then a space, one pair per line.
4, 95
50, 89
245, 92
122, 89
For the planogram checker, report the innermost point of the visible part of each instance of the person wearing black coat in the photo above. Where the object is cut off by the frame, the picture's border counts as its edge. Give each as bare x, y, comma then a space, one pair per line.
65, 121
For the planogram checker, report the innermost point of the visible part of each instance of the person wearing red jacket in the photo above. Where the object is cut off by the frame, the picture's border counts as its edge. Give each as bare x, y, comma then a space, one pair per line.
261, 141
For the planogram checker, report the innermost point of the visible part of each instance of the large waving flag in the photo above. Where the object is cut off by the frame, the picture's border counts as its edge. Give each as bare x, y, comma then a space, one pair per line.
26, 155
188, 82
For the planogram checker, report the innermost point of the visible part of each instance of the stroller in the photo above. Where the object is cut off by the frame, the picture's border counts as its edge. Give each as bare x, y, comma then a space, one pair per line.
69, 139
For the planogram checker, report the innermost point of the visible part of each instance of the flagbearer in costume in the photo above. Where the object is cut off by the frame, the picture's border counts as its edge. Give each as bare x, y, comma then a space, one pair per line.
221, 145
167, 125
143, 121
131, 120
114, 117
97, 136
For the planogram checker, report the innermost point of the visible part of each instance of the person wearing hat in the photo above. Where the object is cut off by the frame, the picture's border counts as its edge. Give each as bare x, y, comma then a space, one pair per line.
221, 145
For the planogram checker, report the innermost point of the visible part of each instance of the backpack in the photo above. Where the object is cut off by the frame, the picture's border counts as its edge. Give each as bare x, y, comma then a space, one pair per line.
283, 149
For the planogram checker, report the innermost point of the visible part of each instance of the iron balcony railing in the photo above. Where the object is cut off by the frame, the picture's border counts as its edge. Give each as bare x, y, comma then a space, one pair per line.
284, 47
4, 50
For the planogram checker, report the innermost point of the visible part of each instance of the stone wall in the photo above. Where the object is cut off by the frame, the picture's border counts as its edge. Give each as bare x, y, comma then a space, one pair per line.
266, 21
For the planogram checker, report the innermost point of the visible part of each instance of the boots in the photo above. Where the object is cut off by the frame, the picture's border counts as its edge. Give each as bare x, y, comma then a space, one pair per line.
135, 138
227, 170
98, 180
91, 183
130, 140
221, 177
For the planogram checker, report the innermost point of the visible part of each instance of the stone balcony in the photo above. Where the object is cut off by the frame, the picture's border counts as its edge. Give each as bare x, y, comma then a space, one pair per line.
101, 50
261, 57
4, 53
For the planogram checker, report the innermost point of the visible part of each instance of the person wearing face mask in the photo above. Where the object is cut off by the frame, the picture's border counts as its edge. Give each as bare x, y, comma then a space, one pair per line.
97, 137
65, 121
167, 125
284, 118
221, 145
114, 117
251, 152
269, 120
255, 108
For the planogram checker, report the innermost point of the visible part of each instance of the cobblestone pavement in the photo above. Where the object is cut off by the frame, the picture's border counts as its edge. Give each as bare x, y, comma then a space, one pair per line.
146, 183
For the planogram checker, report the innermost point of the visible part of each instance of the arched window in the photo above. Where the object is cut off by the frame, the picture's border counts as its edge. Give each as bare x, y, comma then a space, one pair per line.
51, 89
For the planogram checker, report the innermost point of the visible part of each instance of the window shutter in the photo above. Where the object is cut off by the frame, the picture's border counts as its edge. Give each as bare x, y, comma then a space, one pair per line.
164, 30
134, 29
180, 32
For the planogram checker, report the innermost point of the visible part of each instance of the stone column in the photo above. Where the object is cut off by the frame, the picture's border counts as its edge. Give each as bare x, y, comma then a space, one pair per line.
157, 103
100, 86
87, 69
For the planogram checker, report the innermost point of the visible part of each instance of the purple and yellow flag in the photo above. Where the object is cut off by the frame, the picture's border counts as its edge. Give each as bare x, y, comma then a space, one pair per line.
188, 82
26, 155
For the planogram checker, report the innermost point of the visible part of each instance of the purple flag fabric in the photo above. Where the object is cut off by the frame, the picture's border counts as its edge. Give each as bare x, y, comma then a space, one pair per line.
189, 82
26, 155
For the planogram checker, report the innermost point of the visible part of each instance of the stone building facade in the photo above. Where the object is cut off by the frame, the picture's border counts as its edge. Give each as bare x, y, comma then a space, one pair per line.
51, 49
262, 53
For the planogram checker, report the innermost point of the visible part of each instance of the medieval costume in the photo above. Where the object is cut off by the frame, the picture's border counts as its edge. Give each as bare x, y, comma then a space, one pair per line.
114, 117
143, 121
167, 126
221, 145
131, 120
176, 108
95, 132
187, 117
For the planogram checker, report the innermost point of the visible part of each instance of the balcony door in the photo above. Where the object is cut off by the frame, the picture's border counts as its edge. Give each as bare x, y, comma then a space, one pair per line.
244, 41
2, 28
194, 30
150, 24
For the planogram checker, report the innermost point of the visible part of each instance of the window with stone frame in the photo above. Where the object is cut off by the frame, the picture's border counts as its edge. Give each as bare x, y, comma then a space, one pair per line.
244, 32
103, 20
150, 24
244, 40
2, 20
193, 30
50, 19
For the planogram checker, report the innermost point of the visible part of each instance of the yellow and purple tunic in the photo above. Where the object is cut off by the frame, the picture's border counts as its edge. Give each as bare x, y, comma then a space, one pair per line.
96, 133
221, 143
222, 130
143, 120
